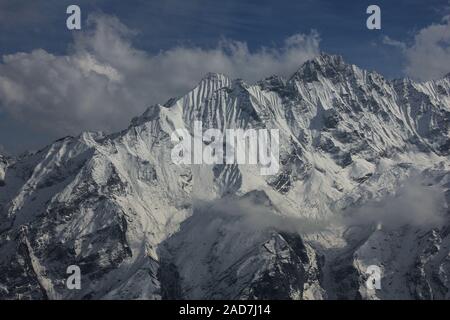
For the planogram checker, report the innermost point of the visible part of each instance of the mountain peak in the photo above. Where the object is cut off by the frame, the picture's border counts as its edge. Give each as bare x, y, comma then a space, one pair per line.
211, 82
215, 77
326, 65
329, 59
272, 82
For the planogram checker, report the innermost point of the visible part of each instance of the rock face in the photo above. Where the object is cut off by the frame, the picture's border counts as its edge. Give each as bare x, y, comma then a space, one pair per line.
3, 165
364, 180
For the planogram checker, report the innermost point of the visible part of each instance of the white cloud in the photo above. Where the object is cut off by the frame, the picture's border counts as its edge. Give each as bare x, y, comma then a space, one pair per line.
415, 203
104, 81
251, 214
389, 41
428, 57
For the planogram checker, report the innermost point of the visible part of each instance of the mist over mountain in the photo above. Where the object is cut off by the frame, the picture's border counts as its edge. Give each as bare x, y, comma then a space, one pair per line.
364, 180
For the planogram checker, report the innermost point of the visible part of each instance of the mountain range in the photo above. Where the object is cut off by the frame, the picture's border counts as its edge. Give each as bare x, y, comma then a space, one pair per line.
364, 180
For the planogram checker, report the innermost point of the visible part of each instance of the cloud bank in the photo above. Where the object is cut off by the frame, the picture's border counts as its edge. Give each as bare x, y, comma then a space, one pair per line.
415, 203
103, 81
428, 57
256, 215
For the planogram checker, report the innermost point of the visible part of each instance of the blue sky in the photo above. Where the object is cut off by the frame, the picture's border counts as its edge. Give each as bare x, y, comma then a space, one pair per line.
166, 23
161, 25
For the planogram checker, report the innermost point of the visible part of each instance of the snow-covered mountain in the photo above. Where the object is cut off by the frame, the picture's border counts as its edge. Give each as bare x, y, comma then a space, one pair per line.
364, 180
